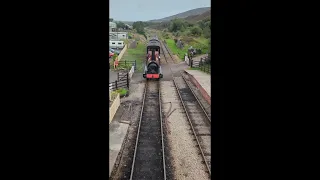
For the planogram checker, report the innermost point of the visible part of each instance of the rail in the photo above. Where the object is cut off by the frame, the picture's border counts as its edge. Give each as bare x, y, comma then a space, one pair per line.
168, 52
146, 164
191, 123
208, 121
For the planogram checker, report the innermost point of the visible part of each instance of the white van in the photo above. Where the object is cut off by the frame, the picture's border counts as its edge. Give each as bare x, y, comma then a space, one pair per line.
116, 44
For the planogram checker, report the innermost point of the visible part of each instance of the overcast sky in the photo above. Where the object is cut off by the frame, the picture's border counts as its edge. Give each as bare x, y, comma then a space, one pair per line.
144, 10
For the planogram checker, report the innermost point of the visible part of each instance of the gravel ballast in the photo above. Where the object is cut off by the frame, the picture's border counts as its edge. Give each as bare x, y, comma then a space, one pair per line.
186, 160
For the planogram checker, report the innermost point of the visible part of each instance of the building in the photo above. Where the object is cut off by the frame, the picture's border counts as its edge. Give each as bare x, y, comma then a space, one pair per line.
116, 36
112, 27
116, 44
128, 26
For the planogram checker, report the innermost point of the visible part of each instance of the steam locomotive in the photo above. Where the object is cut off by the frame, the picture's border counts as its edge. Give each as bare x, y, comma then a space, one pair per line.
152, 69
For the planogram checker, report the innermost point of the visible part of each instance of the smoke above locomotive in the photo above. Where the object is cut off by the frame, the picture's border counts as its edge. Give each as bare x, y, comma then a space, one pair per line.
152, 68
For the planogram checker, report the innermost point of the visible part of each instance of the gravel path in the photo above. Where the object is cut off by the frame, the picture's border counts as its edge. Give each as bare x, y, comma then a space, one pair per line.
186, 160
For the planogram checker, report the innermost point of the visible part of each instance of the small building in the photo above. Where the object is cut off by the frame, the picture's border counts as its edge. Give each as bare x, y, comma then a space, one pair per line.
128, 26
116, 44
116, 36
112, 27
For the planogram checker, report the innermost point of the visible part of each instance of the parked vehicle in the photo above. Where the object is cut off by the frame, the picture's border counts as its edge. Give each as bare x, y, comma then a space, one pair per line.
110, 54
114, 51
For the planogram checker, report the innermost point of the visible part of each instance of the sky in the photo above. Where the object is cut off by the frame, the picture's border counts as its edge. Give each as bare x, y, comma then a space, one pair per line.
144, 10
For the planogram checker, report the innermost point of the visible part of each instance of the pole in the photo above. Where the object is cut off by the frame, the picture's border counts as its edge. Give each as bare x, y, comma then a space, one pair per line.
128, 80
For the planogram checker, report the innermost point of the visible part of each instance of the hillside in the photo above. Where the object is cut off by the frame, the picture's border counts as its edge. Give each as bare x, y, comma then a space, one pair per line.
199, 17
193, 12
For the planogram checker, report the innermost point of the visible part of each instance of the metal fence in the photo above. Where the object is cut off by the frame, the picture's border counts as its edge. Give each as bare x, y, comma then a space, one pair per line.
121, 83
204, 64
128, 63
123, 79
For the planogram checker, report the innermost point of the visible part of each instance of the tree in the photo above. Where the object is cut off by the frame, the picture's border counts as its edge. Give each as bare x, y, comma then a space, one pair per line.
139, 26
177, 25
121, 25
207, 32
196, 30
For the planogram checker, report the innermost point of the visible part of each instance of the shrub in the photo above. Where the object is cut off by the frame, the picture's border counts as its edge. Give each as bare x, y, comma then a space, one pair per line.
207, 32
122, 91
196, 30
114, 57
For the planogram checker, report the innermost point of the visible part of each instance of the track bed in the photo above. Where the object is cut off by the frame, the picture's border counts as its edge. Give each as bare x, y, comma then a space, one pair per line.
148, 158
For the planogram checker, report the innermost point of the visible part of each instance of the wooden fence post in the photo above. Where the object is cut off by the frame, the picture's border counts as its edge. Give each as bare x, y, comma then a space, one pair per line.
128, 80
116, 84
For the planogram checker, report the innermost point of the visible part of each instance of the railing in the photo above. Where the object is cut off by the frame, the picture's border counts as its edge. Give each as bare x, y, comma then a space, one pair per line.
122, 83
123, 80
127, 64
204, 64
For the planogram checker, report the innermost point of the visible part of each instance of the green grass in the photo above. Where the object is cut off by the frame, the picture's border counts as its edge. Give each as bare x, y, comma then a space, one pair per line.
198, 43
122, 91
137, 54
175, 50
201, 43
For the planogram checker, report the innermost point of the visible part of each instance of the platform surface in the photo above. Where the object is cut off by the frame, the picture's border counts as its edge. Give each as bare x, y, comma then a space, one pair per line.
117, 134
203, 79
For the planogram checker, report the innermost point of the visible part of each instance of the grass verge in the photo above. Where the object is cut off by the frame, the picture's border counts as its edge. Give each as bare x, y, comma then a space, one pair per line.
198, 43
175, 50
131, 55
122, 91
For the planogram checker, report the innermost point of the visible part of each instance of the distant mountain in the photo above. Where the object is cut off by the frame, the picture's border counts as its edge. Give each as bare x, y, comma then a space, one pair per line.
199, 17
193, 12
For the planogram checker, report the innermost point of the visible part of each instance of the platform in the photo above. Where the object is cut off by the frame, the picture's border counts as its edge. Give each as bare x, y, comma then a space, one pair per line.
203, 81
117, 134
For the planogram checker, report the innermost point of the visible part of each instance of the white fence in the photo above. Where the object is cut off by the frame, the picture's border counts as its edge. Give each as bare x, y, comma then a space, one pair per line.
114, 107
131, 72
122, 52
186, 59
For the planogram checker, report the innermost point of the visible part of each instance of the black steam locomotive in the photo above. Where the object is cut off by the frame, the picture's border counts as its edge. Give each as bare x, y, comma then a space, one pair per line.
152, 68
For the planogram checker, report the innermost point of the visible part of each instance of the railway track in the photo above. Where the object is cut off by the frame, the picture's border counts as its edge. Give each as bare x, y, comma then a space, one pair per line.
166, 53
199, 121
149, 156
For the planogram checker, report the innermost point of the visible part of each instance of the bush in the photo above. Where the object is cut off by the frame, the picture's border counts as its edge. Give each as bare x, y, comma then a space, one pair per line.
177, 25
122, 91
207, 32
196, 30
114, 57
166, 36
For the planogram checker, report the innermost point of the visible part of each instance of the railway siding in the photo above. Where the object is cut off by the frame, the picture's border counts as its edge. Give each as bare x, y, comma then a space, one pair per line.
186, 160
198, 119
